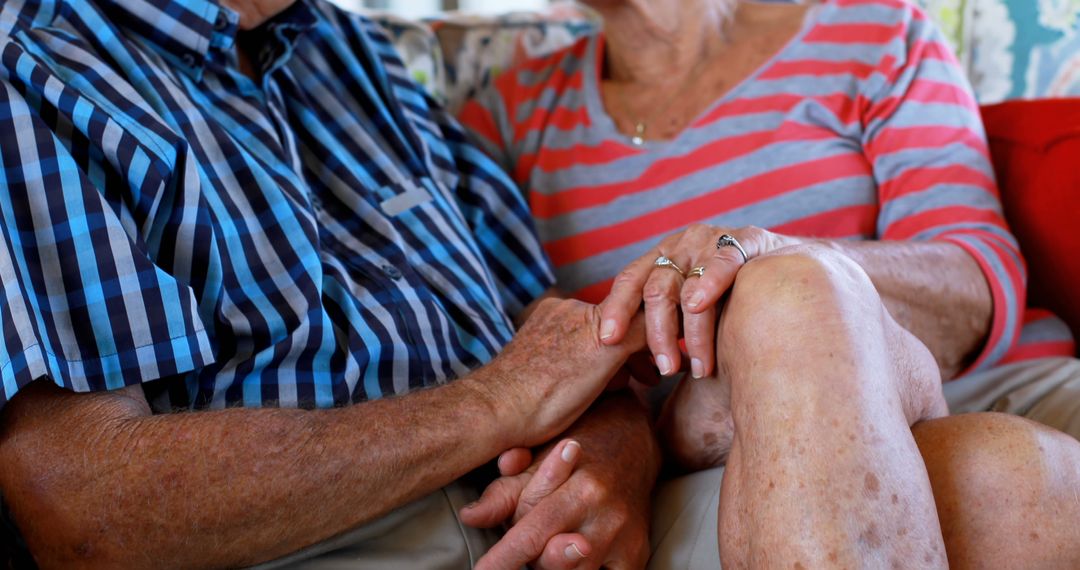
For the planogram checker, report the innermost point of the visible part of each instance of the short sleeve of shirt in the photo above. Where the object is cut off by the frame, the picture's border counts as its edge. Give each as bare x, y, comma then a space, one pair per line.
82, 301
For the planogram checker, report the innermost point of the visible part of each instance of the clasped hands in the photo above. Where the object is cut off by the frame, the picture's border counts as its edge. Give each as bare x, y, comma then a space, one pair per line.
574, 505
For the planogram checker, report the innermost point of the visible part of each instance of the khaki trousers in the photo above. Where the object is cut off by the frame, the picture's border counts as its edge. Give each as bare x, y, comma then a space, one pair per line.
427, 534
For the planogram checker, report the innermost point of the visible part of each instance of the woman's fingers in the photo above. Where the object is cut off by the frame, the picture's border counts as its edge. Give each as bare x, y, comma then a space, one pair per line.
661, 296
624, 300
554, 470
709, 280
699, 330
716, 269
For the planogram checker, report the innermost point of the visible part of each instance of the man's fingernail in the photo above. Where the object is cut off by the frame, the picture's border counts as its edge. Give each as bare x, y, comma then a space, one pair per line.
573, 553
471, 505
696, 299
607, 329
697, 369
570, 451
664, 364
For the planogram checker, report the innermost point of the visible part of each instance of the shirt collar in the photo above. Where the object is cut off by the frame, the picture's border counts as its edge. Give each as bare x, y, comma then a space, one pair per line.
185, 32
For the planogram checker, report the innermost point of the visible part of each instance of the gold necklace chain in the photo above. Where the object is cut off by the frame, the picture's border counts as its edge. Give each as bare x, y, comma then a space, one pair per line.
641, 124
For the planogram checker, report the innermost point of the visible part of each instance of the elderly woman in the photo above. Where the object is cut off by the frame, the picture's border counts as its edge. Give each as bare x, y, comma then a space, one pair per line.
846, 129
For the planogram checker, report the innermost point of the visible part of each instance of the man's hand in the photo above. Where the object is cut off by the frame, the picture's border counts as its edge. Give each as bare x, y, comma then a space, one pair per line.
552, 371
579, 505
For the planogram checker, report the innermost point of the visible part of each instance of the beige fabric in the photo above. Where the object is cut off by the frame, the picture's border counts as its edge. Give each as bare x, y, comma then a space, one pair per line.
427, 534
1045, 390
684, 522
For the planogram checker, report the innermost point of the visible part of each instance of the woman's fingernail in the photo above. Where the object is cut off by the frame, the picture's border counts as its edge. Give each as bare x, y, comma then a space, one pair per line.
697, 369
573, 553
570, 451
607, 329
696, 299
470, 506
664, 364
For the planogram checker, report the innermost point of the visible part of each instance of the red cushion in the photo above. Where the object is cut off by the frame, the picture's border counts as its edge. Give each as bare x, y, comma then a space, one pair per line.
1036, 152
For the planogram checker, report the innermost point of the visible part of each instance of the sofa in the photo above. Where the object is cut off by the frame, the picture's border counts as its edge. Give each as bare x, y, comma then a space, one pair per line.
1021, 56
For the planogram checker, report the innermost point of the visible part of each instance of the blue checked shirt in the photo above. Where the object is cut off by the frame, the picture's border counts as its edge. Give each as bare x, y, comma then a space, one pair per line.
318, 237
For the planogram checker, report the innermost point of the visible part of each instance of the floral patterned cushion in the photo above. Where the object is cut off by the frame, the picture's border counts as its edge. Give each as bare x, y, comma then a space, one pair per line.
1010, 48
1024, 48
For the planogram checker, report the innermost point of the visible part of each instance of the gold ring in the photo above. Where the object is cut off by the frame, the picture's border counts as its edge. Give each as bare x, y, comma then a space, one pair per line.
696, 272
663, 261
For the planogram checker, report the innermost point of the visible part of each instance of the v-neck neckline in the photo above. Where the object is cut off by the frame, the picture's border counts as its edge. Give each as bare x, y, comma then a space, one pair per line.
600, 117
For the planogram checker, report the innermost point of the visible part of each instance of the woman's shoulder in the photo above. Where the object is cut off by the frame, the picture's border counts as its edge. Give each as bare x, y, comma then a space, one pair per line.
558, 69
883, 13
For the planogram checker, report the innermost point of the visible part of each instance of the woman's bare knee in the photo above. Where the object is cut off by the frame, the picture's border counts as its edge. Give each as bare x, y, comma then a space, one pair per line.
1006, 490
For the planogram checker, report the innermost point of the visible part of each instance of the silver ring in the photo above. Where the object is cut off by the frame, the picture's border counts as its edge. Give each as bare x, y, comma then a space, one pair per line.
663, 261
729, 240
696, 272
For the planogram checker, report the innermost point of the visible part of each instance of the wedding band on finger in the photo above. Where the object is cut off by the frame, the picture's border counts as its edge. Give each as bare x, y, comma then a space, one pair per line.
728, 240
663, 261
696, 272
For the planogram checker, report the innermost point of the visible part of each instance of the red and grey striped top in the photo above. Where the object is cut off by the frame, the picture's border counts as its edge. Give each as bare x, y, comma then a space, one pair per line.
862, 127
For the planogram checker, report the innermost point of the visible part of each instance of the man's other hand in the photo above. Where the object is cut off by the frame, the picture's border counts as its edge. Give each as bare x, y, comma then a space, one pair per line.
567, 512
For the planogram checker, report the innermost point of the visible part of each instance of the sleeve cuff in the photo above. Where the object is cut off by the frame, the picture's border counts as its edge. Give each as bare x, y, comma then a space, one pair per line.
1007, 292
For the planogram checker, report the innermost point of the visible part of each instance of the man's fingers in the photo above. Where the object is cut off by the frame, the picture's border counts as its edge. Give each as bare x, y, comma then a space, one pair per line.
552, 473
624, 300
496, 505
514, 461
568, 551
526, 540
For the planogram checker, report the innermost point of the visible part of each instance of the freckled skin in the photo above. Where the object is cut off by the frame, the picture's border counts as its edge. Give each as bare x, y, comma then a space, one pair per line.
1020, 478
248, 497
762, 470
872, 485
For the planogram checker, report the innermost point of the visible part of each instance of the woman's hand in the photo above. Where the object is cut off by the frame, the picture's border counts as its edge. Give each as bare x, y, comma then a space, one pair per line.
703, 271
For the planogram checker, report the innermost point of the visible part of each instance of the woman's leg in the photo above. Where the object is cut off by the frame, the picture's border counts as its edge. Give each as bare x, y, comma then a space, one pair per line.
824, 470
1007, 491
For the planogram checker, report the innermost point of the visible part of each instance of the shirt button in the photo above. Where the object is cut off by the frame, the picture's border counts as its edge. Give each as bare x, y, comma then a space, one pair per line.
188, 60
392, 272
221, 22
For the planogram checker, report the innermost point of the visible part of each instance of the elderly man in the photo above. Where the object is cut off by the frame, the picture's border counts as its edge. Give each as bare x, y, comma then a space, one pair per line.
247, 209
250, 209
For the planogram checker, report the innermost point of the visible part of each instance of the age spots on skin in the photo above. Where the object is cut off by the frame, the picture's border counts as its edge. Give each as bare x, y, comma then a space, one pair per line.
1034, 536
799, 566
870, 537
895, 499
872, 484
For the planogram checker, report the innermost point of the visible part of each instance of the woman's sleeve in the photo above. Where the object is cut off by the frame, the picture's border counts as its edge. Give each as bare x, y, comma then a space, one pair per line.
924, 139
486, 120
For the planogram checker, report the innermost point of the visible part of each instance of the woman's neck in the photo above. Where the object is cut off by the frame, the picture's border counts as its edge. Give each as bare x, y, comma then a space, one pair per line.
658, 42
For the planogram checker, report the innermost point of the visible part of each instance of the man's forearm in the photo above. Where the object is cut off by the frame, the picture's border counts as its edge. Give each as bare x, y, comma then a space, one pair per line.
223, 488
935, 290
